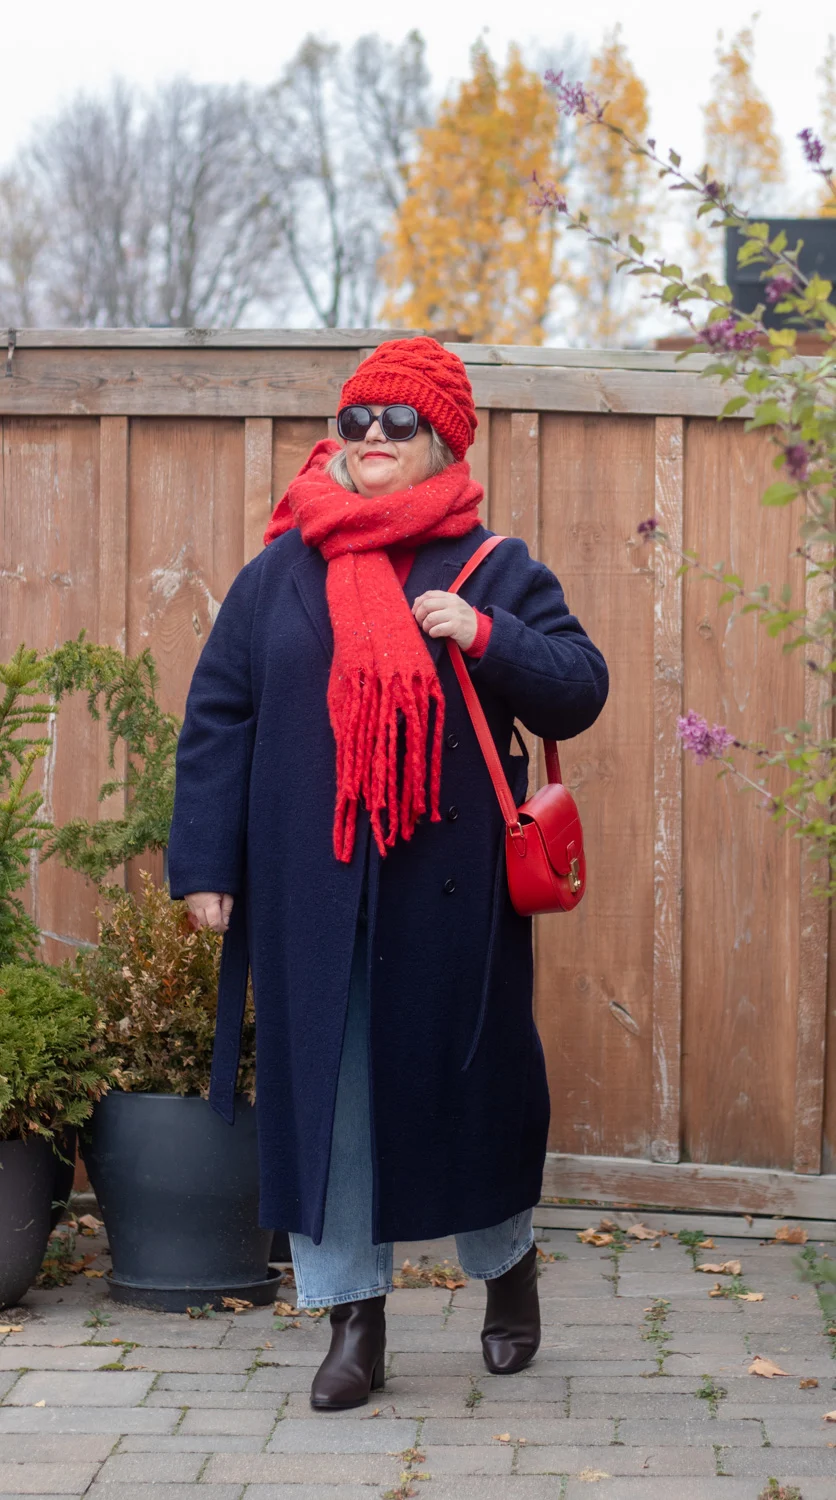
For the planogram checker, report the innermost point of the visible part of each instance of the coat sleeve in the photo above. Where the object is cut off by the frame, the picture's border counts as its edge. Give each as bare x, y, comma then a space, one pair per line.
214, 752
538, 657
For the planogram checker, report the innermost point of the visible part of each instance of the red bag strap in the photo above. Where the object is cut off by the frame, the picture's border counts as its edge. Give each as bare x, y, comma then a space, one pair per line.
477, 713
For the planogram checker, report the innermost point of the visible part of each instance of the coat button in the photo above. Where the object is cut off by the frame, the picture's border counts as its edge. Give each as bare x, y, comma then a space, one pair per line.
452, 741
452, 814
449, 886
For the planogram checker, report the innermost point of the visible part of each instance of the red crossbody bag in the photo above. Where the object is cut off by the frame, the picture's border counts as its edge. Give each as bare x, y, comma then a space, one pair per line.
544, 854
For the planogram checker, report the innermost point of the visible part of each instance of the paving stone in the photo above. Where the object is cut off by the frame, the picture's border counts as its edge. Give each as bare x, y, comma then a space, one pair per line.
449, 1459
100, 1388
56, 1447
253, 1422
189, 1381
635, 1406
402, 1406
580, 1434
284, 1354
660, 1489
302, 1492
423, 1301
85, 1419
208, 1443
195, 1361
278, 1378
150, 1468
49, 1331
417, 1362
174, 1401
688, 1431
523, 1387
48, 1357
7, 1380
321, 1435
784, 1431
113, 1491
55, 1479
310, 1468
162, 1331
640, 1385
792, 1463
616, 1460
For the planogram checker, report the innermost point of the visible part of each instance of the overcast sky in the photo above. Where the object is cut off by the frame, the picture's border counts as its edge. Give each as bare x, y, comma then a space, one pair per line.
52, 49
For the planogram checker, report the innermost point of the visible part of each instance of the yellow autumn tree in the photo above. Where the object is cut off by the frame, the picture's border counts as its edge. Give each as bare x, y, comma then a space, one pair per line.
618, 191
466, 250
742, 149
827, 104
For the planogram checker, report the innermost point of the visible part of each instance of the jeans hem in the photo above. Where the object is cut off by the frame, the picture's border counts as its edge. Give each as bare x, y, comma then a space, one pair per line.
332, 1301
506, 1265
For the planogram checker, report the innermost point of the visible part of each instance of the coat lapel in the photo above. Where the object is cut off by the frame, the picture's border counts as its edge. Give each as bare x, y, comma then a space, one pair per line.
309, 576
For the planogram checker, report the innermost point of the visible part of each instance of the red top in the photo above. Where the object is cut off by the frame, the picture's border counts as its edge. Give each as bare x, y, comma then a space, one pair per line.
402, 559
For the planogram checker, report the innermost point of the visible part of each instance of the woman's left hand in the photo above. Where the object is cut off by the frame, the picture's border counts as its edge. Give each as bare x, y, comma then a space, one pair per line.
440, 614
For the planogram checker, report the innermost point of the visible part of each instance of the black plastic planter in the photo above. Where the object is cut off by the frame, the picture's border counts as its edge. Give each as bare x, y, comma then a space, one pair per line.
27, 1182
64, 1163
178, 1191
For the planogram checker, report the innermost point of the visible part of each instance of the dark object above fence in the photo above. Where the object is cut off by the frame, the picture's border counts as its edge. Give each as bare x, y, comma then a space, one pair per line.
818, 257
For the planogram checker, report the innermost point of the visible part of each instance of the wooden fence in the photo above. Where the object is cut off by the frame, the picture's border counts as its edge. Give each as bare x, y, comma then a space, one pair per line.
685, 1007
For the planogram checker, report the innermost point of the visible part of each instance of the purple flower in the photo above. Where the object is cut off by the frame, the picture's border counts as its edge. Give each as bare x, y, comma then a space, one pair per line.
713, 189
704, 743
573, 98
778, 287
798, 460
811, 146
727, 334
648, 528
547, 196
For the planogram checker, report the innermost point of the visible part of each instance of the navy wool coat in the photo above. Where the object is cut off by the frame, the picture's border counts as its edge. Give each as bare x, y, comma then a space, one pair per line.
459, 1098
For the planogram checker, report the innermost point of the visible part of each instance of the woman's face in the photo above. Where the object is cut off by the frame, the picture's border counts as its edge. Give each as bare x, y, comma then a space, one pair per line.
379, 467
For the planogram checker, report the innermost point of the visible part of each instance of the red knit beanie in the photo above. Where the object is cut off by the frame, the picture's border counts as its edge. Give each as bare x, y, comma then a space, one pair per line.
421, 373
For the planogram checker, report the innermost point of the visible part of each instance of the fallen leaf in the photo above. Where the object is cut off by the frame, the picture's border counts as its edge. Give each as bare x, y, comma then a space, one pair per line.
592, 1237
11, 1327
315, 1312
590, 1475
375, 1413
236, 1304
790, 1234
810, 1384
267, 1344
750, 1297
707, 1244
502, 1437
40, 1403
765, 1367
607, 1224
717, 1290
89, 1224
94, 1273
728, 1268
641, 1232
749, 1219
283, 1309
829, 1416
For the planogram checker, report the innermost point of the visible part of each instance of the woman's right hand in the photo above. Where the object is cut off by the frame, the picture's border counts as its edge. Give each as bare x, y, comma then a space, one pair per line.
209, 909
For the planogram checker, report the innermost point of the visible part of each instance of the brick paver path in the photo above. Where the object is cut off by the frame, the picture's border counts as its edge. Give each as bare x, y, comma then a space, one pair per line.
217, 1409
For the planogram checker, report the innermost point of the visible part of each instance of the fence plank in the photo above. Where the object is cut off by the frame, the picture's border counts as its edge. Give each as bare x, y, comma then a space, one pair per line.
687, 1185
113, 589
480, 462
667, 797
207, 338
740, 918
258, 482
814, 924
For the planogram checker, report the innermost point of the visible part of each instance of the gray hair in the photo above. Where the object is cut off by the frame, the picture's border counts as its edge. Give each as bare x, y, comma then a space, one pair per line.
441, 457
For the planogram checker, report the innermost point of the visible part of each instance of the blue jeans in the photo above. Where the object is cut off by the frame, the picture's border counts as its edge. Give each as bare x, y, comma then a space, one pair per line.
346, 1266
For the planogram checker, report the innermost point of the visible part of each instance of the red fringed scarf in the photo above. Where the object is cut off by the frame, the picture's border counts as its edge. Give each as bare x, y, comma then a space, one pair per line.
382, 673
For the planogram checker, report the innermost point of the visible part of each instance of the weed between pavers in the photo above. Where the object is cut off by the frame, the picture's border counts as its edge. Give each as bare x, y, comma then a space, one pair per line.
474, 1395
410, 1458
98, 1318
776, 1491
692, 1241
655, 1332
711, 1392
819, 1271
719, 1471
618, 1248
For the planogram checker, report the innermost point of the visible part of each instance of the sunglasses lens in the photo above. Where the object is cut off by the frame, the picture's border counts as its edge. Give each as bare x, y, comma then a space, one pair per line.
399, 423
353, 422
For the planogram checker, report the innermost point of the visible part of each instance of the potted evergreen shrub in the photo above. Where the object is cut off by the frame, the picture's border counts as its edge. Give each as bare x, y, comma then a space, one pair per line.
177, 1187
52, 1067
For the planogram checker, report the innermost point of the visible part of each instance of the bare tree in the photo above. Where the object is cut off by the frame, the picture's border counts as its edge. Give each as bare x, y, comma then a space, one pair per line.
333, 137
23, 238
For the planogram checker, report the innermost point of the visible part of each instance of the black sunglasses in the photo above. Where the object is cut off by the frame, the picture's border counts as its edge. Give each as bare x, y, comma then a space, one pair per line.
397, 423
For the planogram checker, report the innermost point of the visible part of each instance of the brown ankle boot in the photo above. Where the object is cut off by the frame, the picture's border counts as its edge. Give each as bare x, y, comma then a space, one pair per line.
354, 1363
511, 1335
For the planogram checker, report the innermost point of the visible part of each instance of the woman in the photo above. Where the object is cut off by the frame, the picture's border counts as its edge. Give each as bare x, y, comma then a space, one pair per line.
335, 818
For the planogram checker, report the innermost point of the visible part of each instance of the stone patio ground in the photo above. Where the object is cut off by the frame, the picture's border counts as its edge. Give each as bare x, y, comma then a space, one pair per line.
217, 1408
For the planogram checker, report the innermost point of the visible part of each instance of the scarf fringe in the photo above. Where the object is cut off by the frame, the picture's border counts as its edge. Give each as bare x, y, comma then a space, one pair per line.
368, 718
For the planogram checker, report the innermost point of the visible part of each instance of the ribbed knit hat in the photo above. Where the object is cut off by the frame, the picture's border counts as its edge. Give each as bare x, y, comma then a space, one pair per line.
421, 373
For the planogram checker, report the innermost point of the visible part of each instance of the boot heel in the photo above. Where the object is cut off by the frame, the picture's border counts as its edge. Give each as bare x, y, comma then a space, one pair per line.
379, 1377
